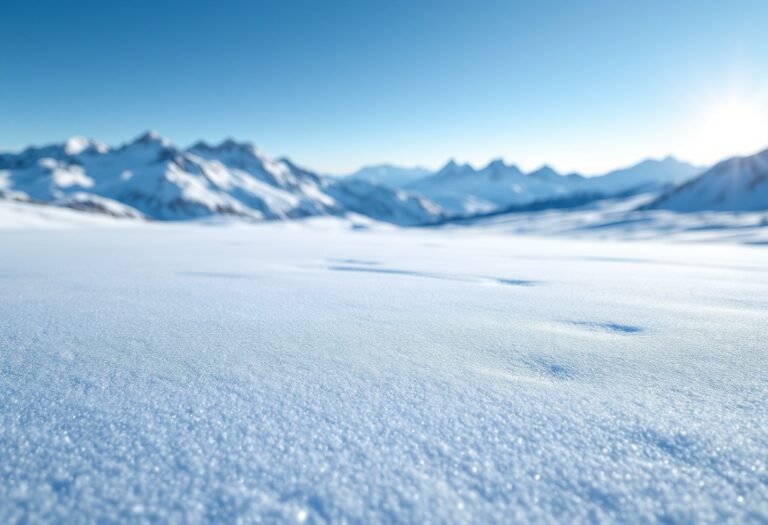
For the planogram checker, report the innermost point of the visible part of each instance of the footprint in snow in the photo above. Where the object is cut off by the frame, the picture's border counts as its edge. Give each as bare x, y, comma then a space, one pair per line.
609, 327
217, 275
356, 261
552, 369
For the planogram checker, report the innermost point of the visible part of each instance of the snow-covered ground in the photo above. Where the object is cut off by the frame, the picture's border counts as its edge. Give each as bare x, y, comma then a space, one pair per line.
24, 215
282, 371
619, 219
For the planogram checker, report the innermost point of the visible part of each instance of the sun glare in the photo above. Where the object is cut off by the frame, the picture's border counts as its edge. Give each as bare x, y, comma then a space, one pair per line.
736, 124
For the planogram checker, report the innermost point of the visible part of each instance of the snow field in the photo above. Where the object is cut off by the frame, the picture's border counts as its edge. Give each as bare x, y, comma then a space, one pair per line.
189, 373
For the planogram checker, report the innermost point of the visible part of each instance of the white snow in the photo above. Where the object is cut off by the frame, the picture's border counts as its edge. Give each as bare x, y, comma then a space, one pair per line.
78, 145
306, 372
627, 219
23, 216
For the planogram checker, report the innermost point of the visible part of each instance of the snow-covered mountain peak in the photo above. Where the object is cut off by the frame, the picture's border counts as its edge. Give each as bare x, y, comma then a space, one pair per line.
230, 149
498, 170
200, 145
544, 172
63, 152
450, 166
450, 169
80, 145
151, 138
248, 148
668, 160
149, 147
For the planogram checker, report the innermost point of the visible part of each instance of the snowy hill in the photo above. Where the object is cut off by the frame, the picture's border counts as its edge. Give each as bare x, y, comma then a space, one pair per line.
150, 177
462, 189
736, 184
389, 175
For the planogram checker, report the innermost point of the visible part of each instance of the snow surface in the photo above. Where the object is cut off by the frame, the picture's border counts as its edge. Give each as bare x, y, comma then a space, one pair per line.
627, 219
24, 215
277, 372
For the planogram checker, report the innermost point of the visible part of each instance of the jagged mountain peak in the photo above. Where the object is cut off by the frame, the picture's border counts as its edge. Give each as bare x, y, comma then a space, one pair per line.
229, 147
452, 167
78, 145
496, 164
151, 138
71, 147
231, 144
544, 171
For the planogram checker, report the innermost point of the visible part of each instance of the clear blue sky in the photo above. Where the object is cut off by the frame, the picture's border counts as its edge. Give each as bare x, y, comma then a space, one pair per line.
335, 84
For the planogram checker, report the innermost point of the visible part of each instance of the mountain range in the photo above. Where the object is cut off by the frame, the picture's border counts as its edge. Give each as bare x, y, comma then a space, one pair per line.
149, 177
461, 189
389, 175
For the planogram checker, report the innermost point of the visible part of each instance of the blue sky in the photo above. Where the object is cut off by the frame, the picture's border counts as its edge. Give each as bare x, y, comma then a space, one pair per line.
582, 86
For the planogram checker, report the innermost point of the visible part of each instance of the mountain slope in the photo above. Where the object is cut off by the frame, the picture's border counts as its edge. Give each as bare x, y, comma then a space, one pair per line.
383, 203
151, 177
736, 184
648, 175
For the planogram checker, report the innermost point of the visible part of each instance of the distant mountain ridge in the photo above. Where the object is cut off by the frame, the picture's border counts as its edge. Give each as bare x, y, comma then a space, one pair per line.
463, 190
389, 175
149, 177
152, 178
